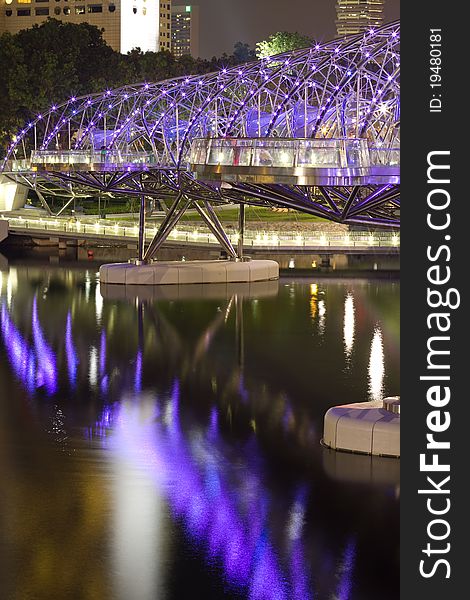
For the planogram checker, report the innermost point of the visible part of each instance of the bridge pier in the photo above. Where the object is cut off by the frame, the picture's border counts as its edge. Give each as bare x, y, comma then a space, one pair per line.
3, 230
145, 271
141, 242
241, 230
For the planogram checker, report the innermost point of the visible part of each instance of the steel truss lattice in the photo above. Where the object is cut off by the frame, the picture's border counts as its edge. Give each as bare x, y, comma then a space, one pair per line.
345, 88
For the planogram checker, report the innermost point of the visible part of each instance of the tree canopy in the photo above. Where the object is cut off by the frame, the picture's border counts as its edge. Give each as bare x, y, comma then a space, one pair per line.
280, 42
55, 60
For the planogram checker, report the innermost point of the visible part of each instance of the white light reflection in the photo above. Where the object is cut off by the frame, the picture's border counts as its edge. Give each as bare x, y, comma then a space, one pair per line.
12, 284
87, 286
98, 303
295, 521
348, 327
139, 533
93, 366
321, 317
376, 367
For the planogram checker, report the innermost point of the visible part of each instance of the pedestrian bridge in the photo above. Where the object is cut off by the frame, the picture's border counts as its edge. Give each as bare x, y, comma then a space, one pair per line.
315, 129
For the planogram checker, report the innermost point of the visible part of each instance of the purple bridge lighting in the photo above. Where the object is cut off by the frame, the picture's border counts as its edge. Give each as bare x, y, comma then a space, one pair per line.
315, 129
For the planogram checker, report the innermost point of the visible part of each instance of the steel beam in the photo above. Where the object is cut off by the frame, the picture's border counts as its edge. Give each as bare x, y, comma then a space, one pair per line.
217, 231
171, 219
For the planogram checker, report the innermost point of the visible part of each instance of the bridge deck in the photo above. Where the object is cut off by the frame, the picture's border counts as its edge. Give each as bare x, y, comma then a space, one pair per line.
358, 242
295, 161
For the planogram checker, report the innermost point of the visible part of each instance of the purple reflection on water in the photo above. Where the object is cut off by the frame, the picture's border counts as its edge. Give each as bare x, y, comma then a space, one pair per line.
71, 353
104, 379
102, 353
138, 373
346, 570
223, 510
245, 396
214, 421
21, 356
45, 356
301, 581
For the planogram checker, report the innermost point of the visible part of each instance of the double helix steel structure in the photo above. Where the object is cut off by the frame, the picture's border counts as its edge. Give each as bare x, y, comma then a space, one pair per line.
315, 129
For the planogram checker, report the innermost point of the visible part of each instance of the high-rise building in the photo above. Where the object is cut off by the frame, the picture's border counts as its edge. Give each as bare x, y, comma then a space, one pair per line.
354, 16
185, 30
164, 39
127, 24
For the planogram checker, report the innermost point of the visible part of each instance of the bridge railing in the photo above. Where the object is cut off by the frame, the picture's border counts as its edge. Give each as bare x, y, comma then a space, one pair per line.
84, 158
384, 157
106, 228
281, 152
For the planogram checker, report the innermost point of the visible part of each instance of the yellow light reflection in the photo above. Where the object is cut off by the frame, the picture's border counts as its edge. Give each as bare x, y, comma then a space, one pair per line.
313, 300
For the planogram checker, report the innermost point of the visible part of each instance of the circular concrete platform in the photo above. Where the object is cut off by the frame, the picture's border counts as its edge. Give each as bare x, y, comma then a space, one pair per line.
365, 427
184, 272
190, 291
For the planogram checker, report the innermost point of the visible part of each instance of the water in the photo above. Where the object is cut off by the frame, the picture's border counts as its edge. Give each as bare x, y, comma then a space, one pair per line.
166, 444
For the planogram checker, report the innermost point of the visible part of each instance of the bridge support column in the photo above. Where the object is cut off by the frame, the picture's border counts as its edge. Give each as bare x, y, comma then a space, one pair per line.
241, 230
212, 221
171, 219
141, 242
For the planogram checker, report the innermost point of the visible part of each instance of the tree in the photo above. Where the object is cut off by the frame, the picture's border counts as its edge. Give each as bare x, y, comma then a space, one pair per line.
280, 42
242, 53
53, 61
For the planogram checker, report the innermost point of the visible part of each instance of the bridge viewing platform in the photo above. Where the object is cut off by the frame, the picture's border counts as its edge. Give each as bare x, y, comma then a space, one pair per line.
294, 161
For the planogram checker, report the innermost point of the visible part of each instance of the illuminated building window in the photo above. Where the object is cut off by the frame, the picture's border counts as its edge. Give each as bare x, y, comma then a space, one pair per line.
79, 10
66, 10
24, 1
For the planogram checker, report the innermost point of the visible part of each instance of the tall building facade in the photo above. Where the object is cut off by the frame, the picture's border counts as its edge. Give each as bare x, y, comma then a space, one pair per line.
127, 24
354, 16
164, 39
185, 30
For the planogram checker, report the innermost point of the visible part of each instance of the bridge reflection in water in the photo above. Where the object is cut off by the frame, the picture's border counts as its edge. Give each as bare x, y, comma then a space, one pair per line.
188, 430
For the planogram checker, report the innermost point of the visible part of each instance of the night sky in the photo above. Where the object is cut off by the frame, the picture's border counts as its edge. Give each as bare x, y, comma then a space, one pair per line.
224, 22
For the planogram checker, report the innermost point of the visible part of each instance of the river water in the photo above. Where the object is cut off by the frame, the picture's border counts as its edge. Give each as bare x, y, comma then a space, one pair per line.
165, 444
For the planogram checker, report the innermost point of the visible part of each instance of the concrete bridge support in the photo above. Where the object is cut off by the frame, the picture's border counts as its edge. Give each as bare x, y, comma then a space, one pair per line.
3, 230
